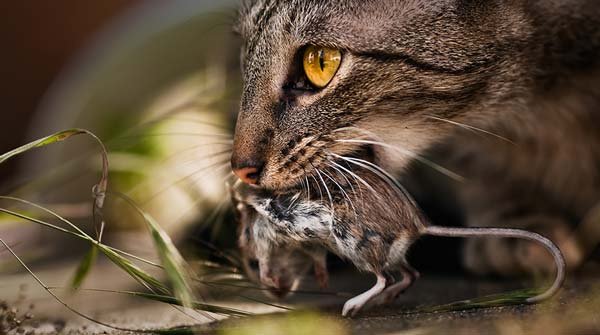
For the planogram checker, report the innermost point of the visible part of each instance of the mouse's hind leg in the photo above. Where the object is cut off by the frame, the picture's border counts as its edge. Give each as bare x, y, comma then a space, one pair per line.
321, 273
352, 306
391, 293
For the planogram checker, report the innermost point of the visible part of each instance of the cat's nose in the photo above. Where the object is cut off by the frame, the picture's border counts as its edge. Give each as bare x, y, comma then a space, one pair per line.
248, 174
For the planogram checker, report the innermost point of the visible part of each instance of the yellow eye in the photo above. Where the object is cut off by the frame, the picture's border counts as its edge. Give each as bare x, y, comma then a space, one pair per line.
321, 64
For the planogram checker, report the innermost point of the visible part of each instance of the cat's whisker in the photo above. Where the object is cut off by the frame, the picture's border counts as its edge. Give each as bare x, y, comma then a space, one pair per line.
318, 187
403, 151
223, 164
329, 162
192, 160
307, 187
177, 118
326, 189
198, 147
373, 139
305, 179
348, 159
348, 199
471, 128
341, 173
348, 181
355, 176
383, 174
317, 183
194, 203
191, 134
217, 216
144, 183
293, 200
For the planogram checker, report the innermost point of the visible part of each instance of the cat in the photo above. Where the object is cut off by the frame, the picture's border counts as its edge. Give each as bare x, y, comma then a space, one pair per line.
498, 100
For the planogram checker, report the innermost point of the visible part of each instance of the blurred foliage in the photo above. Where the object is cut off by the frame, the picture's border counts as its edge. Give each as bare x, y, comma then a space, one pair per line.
297, 323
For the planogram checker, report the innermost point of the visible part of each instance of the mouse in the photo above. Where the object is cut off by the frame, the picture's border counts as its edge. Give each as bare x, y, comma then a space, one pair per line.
372, 225
278, 266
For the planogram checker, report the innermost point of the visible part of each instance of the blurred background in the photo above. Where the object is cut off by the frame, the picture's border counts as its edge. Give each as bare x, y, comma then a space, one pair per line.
158, 83
40, 39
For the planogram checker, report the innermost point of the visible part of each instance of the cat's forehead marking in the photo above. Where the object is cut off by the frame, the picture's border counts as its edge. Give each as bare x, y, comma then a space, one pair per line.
419, 27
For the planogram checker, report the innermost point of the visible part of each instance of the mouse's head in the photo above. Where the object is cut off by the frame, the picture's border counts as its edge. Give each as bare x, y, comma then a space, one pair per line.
276, 267
319, 73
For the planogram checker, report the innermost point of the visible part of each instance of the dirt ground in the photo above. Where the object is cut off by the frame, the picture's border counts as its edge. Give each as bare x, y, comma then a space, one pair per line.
575, 311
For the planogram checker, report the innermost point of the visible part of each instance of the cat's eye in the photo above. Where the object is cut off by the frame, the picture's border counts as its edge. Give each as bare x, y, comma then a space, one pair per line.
321, 64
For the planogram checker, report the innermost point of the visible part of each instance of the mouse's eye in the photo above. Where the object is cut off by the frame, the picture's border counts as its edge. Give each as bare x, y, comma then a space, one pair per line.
320, 64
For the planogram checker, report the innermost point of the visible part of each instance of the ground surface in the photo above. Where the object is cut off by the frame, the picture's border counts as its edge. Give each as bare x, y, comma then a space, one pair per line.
576, 310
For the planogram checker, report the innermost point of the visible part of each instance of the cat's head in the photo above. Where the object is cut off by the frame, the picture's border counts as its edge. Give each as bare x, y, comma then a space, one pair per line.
319, 73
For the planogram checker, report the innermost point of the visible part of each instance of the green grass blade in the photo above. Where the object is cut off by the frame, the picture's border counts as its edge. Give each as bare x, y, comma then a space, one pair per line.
183, 330
194, 304
134, 271
46, 210
79, 233
54, 138
173, 263
102, 185
517, 297
84, 267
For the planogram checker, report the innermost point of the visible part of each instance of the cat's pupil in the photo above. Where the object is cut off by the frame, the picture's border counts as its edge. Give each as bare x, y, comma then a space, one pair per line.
321, 59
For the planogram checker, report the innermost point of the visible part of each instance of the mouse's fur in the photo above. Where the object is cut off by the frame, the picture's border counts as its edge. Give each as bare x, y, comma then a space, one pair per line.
374, 238
281, 264
436, 74
372, 226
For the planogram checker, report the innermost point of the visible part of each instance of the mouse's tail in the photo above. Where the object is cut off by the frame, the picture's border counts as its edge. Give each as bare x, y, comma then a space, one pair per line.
511, 233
